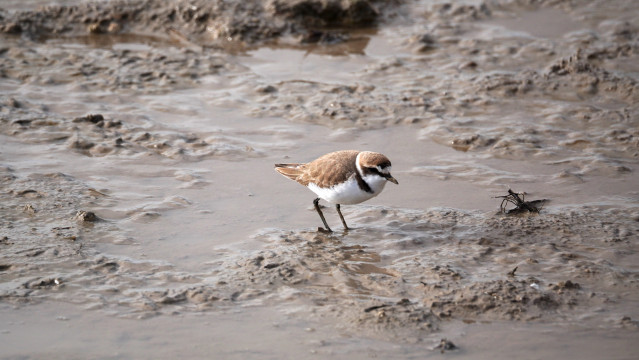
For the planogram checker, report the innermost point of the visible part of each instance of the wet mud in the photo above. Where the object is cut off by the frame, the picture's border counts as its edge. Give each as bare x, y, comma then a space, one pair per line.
137, 140
214, 23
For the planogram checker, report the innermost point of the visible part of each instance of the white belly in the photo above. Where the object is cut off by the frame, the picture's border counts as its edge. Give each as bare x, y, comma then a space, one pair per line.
349, 192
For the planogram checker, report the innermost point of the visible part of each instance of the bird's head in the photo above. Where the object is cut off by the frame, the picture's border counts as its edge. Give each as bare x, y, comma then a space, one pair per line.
372, 163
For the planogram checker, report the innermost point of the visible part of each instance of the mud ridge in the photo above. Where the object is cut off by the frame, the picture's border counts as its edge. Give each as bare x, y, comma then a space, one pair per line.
204, 22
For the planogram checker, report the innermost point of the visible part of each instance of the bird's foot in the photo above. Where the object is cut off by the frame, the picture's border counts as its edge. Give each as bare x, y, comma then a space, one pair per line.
324, 231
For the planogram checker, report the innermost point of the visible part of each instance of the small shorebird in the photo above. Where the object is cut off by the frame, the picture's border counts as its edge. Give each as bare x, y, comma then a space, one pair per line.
342, 177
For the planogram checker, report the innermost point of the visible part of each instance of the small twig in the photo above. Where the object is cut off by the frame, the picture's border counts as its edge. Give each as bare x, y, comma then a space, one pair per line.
375, 307
512, 272
520, 203
445, 345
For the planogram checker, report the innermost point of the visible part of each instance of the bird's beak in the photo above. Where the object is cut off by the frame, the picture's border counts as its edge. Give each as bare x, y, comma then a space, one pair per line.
392, 179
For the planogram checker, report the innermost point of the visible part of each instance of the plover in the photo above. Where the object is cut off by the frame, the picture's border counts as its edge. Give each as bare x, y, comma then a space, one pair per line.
342, 177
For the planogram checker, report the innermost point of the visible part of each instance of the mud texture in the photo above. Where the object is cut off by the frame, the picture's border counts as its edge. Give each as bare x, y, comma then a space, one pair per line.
133, 136
207, 22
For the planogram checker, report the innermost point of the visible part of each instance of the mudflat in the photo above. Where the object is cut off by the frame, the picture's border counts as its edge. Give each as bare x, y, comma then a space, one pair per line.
140, 216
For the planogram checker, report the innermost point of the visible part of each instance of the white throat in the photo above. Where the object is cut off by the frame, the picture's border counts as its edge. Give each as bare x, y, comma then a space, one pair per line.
375, 182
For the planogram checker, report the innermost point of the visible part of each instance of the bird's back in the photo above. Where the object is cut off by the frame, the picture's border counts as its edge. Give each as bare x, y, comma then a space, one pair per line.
325, 171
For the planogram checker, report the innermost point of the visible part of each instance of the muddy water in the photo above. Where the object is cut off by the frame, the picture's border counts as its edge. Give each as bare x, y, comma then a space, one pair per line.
198, 242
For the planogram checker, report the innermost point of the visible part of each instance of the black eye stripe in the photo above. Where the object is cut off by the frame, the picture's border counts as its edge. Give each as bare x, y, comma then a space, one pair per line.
375, 171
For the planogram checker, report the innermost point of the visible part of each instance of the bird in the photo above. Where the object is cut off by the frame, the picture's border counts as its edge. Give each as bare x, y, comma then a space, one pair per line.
341, 177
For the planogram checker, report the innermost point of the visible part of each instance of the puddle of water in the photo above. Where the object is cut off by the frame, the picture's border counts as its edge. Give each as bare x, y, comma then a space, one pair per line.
20, 5
513, 340
302, 65
61, 331
544, 23
249, 333
339, 63
132, 42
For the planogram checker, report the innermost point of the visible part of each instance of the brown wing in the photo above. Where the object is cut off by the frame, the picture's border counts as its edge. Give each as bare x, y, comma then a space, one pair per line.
330, 169
327, 170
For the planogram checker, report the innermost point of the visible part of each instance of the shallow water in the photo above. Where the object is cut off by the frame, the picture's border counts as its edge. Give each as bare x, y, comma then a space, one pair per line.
236, 335
199, 236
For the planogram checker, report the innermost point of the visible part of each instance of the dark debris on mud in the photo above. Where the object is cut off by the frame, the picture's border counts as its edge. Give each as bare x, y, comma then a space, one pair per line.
520, 203
446, 345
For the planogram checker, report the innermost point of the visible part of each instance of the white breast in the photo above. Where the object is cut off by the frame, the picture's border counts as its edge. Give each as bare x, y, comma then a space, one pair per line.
348, 192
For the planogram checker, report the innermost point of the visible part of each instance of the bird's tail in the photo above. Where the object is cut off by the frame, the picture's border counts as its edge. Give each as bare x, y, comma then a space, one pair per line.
291, 171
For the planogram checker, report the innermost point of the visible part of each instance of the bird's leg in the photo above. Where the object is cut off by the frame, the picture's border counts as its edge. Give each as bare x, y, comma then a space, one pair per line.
316, 203
341, 217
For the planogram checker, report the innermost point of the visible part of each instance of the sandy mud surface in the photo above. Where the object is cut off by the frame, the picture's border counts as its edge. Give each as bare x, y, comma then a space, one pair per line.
137, 191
